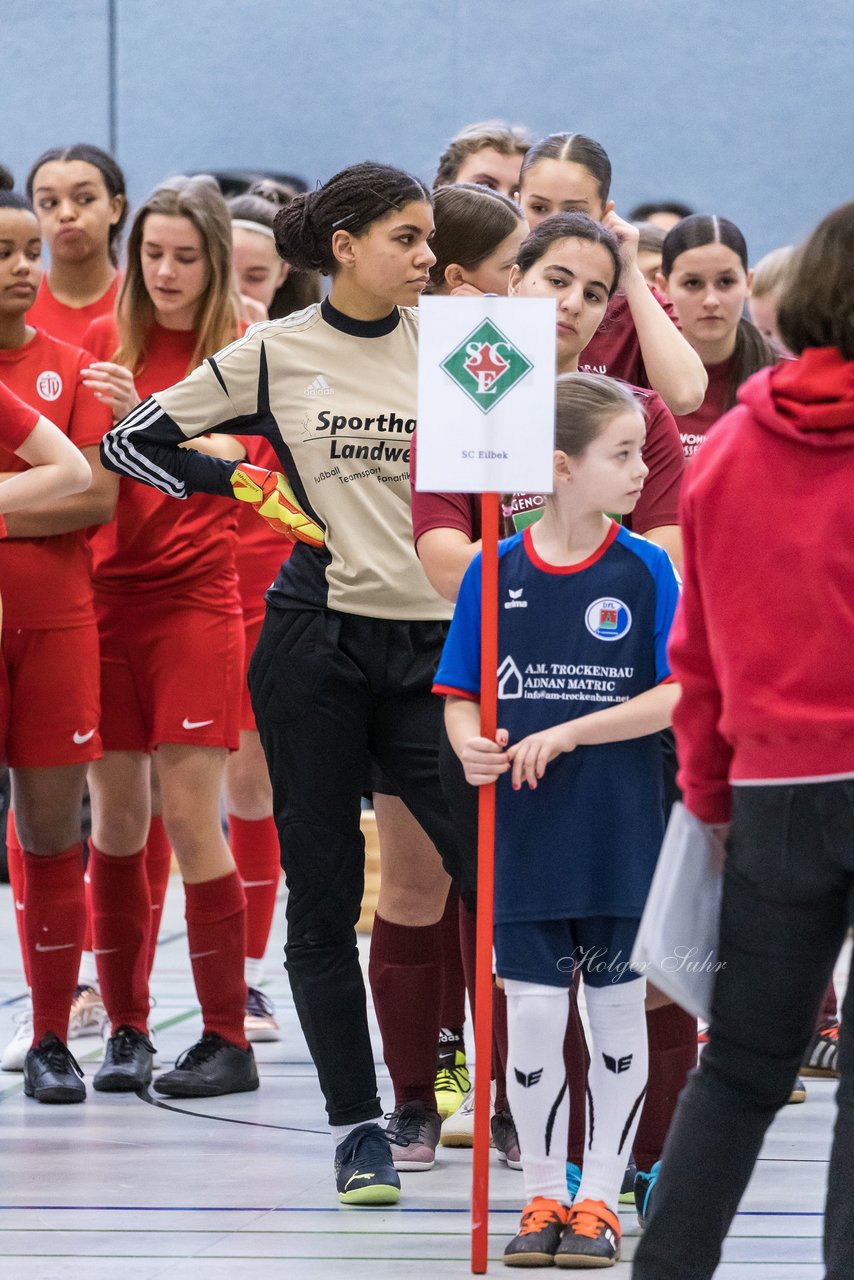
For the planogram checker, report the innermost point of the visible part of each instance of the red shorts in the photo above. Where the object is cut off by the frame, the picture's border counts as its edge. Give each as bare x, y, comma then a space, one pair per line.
49, 698
170, 672
251, 631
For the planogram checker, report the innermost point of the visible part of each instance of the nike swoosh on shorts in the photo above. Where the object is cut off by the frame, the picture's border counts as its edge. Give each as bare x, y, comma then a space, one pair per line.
80, 738
195, 724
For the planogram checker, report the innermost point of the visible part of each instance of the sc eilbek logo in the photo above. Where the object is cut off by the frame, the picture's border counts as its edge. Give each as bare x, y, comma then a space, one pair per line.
486, 365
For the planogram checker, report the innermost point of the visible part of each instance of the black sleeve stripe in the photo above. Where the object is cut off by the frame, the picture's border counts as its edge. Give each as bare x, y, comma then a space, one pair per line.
216, 373
118, 451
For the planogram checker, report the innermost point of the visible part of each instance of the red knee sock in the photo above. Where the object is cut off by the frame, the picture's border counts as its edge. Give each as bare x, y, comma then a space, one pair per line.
672, 1037
405, 973
255, 846
54, 918
453, 978
576, 1059
17, 881
216, 929
468, 950
121, 919
158, 864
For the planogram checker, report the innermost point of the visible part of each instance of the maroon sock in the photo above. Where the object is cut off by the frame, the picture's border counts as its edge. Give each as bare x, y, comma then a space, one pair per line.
672, 1037
499, 1048
468, 951
121, 920
830, 1009
216, 929
255, 848
453, 978
54, 920
405, 973
17, 880
158, 865
576, 1060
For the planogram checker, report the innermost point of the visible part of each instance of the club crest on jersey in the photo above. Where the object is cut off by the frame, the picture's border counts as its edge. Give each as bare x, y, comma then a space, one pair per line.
608, 619
49, 385
486, 365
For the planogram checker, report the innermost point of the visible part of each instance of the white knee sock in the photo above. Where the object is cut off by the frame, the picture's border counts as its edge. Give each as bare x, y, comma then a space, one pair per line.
536, 1084
616, 1085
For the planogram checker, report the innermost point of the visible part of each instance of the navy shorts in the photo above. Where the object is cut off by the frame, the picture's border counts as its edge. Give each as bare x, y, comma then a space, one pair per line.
552, 951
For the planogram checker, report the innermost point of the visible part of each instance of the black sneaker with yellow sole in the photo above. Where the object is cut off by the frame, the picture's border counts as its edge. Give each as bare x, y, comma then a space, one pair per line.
364, 1170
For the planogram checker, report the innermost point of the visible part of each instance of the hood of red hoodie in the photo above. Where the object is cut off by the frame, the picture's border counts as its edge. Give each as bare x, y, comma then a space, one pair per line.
810, 399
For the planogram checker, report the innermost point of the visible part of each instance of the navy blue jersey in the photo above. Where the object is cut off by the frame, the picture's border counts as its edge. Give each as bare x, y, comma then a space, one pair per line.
572, 640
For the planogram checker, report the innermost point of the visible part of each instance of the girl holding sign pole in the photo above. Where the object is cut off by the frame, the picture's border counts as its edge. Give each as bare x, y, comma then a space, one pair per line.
576, 261
587, 692
343, 668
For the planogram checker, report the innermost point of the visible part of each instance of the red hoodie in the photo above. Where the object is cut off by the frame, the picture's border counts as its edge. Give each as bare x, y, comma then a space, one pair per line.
763, 643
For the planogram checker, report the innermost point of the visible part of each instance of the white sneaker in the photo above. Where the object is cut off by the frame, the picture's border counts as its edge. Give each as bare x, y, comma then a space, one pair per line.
12, 1058
87, 1012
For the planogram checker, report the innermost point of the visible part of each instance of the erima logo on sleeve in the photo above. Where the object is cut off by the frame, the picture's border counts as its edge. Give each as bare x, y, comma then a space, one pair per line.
526, 1081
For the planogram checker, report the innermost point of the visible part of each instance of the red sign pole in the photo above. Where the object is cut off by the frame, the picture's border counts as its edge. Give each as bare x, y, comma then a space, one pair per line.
485, 891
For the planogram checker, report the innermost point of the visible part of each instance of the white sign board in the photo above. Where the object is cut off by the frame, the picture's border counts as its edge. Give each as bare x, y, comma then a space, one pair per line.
486, 395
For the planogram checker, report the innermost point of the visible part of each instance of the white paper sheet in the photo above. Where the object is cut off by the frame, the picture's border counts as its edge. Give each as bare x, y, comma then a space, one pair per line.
677, 943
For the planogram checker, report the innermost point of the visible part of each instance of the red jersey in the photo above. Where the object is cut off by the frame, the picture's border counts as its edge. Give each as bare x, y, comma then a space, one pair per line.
155, 543
16, 422
693, 426
658, 504
614, 348
261, 551
69, 323
46, 582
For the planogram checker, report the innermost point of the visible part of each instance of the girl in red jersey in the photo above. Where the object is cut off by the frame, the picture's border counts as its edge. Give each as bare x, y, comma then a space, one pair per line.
706, 277
171, 628
79, 197
570, 173
577, 262
50, 658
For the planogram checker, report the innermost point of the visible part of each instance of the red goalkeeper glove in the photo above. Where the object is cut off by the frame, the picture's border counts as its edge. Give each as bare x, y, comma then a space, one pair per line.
275, 501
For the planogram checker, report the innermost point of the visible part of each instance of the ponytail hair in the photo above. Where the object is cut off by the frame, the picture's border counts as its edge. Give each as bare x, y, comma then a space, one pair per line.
350, 201
577, 148
110, 171
584, 405
9, 197
752, 352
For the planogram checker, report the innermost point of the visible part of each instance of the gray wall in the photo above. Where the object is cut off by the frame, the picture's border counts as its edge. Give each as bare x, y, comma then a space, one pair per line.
741, 107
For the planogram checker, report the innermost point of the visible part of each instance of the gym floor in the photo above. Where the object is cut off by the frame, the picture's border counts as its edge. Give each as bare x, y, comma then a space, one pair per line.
138, 1188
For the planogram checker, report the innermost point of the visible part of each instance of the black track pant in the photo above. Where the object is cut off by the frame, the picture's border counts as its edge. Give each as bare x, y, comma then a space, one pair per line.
788, 901
330, 692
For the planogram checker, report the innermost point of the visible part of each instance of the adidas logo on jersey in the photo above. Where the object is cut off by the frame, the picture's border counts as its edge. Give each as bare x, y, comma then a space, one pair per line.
319, 387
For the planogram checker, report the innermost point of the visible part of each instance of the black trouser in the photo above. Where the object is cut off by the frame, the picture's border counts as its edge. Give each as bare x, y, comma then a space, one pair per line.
788, 901
330, 692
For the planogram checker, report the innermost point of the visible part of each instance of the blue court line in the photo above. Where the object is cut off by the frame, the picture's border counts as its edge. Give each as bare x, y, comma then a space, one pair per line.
215, 1208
